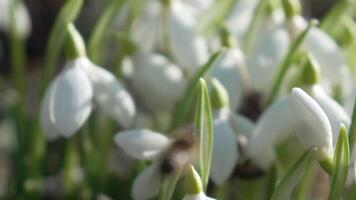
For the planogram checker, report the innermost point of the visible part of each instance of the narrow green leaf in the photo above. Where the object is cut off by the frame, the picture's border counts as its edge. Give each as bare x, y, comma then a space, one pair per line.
204, 131
251, 29
287, 184
214, 16
168, 185
17, 51
183, 106
341, 165
332, 18
286, 63
352, 130
98, 35
67, 14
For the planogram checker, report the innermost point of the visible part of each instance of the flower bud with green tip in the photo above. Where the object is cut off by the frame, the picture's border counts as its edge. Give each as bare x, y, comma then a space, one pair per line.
219, 95
291, 8
314, 129
227, 40
309, 73
193, 185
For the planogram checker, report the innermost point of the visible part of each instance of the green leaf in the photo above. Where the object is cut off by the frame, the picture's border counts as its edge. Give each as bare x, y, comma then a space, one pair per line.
341, 165
352, 130
214, 16
168, 185
287, 184
67, 14
204, 131
98, 35
286, 63
332, 18
183, 106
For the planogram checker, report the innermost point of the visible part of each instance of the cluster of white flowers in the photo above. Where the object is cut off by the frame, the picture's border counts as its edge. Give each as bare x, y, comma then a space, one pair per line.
169, 49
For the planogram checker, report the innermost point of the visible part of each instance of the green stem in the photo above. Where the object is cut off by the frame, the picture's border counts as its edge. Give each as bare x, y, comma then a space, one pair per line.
18, 57
67, 14
98, 35
352, 130
183, 107
286, 63
252, 28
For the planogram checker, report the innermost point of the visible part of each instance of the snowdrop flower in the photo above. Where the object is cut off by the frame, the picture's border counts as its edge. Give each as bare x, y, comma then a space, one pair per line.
176, 23
194, 186
279, 121
326, 51
159, 83
314, 128
167, 155
68, 100
22, 20
231, 134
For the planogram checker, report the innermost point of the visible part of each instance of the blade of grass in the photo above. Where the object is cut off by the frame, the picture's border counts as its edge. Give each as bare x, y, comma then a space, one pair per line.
67, 14
287, 184
352, 130
98, 35
286, 63
183, 106
341, 165
168, 185
204, 131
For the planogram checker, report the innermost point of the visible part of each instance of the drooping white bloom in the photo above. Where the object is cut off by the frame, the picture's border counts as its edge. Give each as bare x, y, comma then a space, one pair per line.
144, 145
327, 53
21, 16
314, 128
171, 28
111, 96
289, 116
158, 82
68, 101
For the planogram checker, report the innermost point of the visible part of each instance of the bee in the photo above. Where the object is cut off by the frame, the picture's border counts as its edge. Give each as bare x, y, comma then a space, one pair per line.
180, 153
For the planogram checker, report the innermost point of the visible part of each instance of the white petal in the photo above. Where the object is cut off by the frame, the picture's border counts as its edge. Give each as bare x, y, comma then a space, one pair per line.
313, 125
226, 70
335, 113
22, 18
111, 95
241, 125
72, 99
240, 17
46, 121
265, 57
146, 184
189, 49
159, 83
224, 157
272, 128
142, 144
